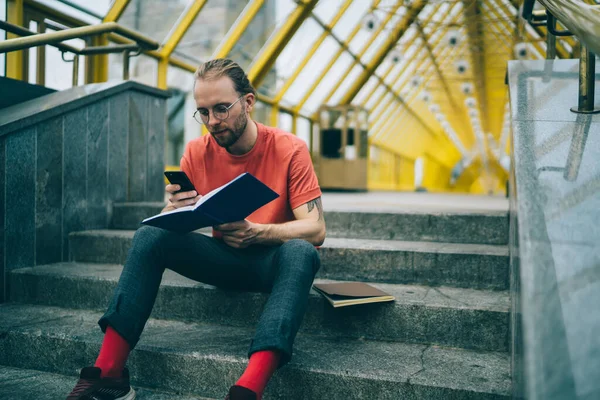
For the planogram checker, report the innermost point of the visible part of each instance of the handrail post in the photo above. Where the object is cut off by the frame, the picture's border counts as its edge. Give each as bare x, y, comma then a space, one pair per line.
76, 70
126, 65
550, 38
587, 79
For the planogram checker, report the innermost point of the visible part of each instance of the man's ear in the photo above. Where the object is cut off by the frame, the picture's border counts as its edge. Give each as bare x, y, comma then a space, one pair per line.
250, 100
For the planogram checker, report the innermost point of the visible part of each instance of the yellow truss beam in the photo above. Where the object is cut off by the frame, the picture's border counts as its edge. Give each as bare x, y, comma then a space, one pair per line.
401, 73
116, 10
326, 32
475, 39
268, 56
97, 66
14, 59
337, 55
394, 36
238, 28
362, 52
407, 45
389, 124
436, 67
180, 27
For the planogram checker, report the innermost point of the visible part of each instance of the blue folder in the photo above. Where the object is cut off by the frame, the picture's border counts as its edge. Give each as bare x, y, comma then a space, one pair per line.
231, 202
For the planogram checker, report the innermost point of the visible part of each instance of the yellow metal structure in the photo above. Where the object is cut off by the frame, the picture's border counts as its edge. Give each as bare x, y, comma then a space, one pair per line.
327, 31
420, 115
97, 68
395, 35
238, 28
268, 56
14, 60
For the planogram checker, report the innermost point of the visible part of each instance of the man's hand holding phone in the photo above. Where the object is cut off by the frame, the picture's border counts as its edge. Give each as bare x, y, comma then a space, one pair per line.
180, 198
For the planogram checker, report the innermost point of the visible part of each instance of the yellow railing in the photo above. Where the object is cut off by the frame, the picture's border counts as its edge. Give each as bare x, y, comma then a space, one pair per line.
31, 39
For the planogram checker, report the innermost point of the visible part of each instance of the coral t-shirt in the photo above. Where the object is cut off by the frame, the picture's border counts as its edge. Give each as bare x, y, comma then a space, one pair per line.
278, 159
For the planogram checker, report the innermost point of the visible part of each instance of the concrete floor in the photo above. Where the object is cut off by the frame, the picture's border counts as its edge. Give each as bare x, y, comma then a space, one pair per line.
411, 201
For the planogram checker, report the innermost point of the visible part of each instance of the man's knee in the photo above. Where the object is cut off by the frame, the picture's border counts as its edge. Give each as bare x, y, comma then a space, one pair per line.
150, 238
302, 251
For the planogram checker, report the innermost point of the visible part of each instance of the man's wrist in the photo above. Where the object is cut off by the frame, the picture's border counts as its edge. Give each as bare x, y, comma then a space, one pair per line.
263, 232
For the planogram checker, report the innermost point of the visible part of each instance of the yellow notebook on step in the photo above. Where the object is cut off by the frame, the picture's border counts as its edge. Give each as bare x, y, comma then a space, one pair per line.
342, 294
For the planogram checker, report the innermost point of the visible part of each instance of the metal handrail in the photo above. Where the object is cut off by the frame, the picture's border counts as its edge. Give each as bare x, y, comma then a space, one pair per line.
33, 39
76, 33
580, 18
583, 21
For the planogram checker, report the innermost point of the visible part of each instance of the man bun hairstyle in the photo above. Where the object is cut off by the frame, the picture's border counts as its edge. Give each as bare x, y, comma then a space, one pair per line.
220, 67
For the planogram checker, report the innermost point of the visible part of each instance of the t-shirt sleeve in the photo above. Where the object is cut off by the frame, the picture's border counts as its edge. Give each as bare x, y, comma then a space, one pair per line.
303, 185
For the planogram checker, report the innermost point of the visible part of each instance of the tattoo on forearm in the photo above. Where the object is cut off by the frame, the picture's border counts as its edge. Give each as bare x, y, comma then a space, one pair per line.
316, 202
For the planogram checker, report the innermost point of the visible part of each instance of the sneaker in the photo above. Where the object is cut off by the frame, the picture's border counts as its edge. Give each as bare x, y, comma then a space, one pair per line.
91, 387
240, 393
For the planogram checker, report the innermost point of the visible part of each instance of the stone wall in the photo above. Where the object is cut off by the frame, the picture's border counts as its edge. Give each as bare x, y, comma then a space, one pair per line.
62, 168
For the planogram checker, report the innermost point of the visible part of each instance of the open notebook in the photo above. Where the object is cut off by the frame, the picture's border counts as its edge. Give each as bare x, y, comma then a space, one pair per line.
341, 294
231, 202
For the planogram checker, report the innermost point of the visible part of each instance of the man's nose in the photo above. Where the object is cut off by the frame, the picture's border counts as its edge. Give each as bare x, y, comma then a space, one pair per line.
212, 120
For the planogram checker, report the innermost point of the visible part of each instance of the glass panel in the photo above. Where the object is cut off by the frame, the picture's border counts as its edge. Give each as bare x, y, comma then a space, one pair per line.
303, 130
97, 9
283, 10
329, 81
347, 82
292, 55
151, 19
312, 71
365, 90
255, 36
2, 37
359, 41
54, 63
352, 16
379, 40
142, 68
208, 29
262, 112
385, 102
378, 93
326, 10
32, 57
285, 122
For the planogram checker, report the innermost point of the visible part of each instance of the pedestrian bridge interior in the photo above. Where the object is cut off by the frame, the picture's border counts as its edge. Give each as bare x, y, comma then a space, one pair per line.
456, 142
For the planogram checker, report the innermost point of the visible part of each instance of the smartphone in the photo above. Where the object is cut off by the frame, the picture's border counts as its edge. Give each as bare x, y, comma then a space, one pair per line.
181, 179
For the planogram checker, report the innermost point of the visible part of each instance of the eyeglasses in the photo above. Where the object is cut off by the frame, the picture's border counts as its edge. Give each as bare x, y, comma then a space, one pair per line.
220, 112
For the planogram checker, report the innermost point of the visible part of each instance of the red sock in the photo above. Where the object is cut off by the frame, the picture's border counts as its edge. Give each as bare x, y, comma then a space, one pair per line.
113, 354
260, 368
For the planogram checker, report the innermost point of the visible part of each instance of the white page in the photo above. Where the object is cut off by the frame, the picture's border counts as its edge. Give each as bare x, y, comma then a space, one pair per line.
198, 203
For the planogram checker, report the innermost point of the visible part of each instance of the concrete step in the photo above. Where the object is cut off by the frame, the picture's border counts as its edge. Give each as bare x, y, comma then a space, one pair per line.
206, 359
483, 227
467, 318
474, 266
28, 384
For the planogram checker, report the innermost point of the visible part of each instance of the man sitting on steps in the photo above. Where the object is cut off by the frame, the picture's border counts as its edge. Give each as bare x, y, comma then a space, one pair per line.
272, 252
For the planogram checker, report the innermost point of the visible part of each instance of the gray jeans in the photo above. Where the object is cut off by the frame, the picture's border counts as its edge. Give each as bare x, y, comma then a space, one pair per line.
286, 271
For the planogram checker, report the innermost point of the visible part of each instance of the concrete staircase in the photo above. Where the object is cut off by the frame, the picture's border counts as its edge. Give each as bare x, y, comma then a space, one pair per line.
445, 337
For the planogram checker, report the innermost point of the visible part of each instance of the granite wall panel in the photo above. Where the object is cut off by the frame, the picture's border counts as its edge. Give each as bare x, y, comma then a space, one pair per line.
155, 187
48, 203
2, 207
138, 128
118, 131
75, 173
97, 165
19, 229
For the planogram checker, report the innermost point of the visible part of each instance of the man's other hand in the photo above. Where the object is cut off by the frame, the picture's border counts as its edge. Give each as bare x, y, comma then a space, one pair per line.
240, 234
178, 200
